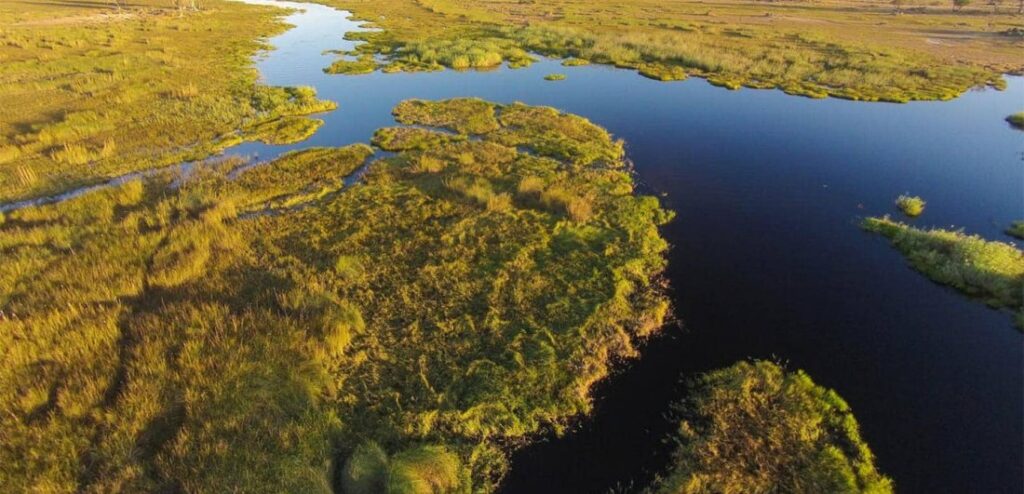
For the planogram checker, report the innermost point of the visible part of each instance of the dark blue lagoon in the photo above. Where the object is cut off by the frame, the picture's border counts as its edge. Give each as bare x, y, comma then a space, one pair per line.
768, 260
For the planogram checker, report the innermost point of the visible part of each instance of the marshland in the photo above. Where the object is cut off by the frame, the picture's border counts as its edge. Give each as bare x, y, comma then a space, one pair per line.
377, 250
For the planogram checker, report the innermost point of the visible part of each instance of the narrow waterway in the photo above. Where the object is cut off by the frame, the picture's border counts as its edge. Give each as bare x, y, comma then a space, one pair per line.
767, 258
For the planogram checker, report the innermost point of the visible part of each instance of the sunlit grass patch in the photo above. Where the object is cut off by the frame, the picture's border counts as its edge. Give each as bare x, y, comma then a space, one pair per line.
989, 270
463, 115
102, 95
265, 306
407, 138
753, 427
661, 72
285, 130
363, 65
910, 205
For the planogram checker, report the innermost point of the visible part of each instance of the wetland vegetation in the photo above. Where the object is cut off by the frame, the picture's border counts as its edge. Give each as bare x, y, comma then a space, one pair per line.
146, 327
272, 327
988, 270
832, 48
910, 205
753, 427
90, 94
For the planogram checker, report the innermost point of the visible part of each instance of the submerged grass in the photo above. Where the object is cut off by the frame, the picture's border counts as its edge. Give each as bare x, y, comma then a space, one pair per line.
402, 333
754, 427
988, 270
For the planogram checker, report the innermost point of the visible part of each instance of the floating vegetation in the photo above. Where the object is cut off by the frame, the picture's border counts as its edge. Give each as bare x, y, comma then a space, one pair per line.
910, 205
988, 270
1016, 120
660, 72
554, 77
754, 427
363, 65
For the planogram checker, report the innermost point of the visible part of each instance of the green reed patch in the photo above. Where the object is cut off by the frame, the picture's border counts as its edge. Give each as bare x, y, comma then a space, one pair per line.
988, 270
754, 427
244, 330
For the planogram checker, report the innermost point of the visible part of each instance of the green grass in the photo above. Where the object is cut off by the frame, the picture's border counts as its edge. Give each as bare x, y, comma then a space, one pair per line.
575, 62
910, 205
661, 72
554, 77
463, 115
285, 130
754, 427
393, 336
1016, 120
89, 93
363, 65
988, 270
832, 48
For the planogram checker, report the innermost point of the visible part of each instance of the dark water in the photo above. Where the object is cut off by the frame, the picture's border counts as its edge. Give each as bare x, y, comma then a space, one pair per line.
767, 258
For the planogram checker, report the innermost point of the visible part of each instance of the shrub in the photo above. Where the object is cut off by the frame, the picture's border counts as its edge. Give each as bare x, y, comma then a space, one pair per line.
910, 205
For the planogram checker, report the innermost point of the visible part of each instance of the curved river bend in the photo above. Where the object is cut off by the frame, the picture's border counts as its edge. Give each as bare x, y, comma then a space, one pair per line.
768, 260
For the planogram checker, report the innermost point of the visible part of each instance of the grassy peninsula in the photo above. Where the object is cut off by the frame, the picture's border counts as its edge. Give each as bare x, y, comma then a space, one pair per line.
270, 330
989, 270
875, 50
89, 91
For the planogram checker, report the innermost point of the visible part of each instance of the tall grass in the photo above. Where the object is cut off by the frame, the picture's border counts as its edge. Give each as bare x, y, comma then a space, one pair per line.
264, 329
989, 270
754, 427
